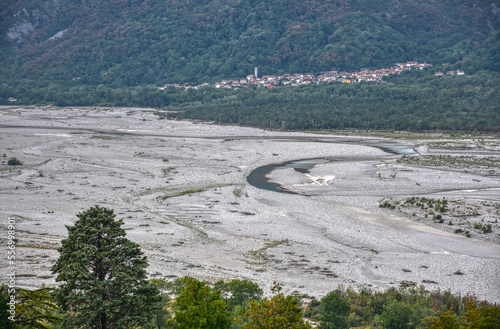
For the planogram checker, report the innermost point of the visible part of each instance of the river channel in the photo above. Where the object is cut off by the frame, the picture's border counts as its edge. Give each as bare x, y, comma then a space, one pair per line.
259, 177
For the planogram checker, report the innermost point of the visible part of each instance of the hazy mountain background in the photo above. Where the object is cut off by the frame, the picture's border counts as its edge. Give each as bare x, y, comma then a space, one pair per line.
116, 53
136, 42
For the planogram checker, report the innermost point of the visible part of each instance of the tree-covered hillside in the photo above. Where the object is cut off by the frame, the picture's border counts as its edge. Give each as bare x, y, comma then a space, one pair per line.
135, 42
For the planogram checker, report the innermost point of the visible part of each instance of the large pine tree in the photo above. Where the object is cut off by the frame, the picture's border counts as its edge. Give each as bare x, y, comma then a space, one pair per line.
103, 275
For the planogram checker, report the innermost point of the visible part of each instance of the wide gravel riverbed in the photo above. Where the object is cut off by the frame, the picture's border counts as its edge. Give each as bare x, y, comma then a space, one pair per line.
182, 190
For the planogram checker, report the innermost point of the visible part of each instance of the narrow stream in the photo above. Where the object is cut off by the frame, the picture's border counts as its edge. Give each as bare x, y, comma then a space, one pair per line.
258, 177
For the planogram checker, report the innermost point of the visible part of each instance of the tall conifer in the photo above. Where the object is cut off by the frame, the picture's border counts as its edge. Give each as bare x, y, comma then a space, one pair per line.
103, 275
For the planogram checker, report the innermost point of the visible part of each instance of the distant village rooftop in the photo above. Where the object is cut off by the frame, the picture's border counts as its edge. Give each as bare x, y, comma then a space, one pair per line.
271, 81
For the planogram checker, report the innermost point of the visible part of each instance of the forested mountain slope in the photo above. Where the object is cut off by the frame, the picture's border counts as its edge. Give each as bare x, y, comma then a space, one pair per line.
122, 43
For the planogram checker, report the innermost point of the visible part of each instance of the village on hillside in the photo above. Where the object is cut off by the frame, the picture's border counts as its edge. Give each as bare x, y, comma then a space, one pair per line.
271, 81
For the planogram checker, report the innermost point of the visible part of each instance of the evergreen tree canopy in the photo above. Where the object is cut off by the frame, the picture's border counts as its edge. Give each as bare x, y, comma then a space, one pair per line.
103, 275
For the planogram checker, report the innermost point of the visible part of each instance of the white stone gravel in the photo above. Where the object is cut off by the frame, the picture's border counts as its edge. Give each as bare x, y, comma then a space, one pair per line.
129, 160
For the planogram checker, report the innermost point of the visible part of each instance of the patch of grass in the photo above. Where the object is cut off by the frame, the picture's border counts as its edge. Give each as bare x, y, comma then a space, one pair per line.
463, 145
457, 162
386, 133
259, 253
165, 197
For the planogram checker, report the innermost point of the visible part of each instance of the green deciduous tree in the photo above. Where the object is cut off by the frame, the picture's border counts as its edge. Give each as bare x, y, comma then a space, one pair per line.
335, 312
201, 308
445, 320
103, 275
397, 315
278, 312
490, 318
236, 292
486, 317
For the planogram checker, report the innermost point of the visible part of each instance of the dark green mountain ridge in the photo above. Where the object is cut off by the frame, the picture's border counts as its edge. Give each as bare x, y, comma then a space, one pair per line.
122, 43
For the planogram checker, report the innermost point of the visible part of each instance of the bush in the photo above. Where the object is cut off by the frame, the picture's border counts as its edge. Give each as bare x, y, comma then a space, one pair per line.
314, 310
486, 228
14, 162
387, 204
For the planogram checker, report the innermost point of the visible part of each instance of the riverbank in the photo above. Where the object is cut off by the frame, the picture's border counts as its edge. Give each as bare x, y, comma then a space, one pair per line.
181, 189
